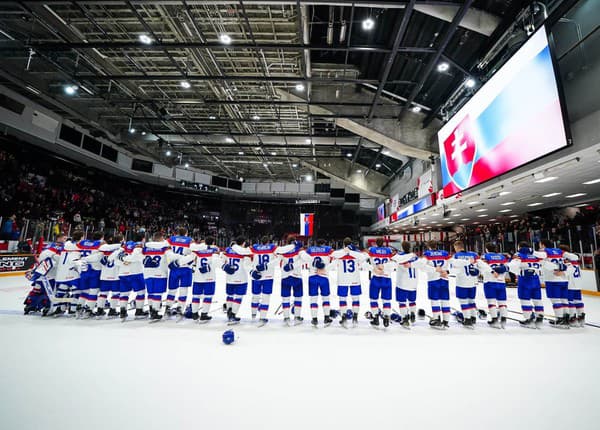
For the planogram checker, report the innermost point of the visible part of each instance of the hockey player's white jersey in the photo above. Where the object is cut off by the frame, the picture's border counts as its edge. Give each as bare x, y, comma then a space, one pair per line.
314, 254
432, 260
268, 255
381, 256
48, 261
488, 262
129, 259
292, 257
551, 259
574, 272
240, 259
66, 270
406, 277
210, 258
110, 271
181, 248
156, 259
348, 264
459, 267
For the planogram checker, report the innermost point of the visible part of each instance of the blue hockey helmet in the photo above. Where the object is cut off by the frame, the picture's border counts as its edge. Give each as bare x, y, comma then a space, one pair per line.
228, 337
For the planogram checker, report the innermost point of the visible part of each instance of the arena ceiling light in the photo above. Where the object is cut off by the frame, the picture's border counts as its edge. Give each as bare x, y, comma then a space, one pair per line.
359, 171
473, 203
535, 204
186, 165
368, 24
256, 117
307, 141
595, 181
443, 66
225, 39
377, 166
273, 153
132, 130
481, 210
513, 216
464, 219
505, 210
185, 84
416, 109
546, 179
504, 193
470, 83
71, 90
386, 152
572, 196
168, 153
299, 87
507, 203
349, 154
229, 140
212, 117
309, 178
294, 165
241, 153
482, 215
143, 133
551, 194
145, 39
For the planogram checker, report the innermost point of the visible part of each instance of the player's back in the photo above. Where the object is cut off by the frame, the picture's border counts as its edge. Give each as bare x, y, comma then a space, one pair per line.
180, 245
406, 277
65, 269
132, 261
493, 260
110, 270
460, 267
238, 262
155, 259
292, 257
436, 258
264, 254
348, 270
380, 255
316, 254
207, 257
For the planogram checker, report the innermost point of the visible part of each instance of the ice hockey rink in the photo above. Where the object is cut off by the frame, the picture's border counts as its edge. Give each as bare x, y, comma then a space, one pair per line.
107, 374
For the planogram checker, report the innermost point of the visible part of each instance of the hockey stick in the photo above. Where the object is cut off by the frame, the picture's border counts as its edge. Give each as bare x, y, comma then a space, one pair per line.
553, 318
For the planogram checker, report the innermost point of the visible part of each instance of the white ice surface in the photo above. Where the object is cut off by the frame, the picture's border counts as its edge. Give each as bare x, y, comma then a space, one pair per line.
63, 373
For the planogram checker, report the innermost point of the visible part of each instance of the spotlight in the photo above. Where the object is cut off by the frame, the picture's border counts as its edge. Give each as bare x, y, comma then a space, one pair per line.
470, 83
256, 117
368, 24
225, 38
185, 84
143, 133
145, 39
132, 130
359, 171
442, 67
377, 166
241, 153
294, 165
349, 154
228, 140
212, 117
168, 153
309, 178
273, 153
71, 89
307, 141
299, 87
416, 109
186, 165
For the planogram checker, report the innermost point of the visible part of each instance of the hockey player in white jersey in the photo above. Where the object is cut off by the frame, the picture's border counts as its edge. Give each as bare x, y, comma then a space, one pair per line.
380, 285
291, 282
576, 308
205, 277
67, 277
556, 281
109, 277
236, 263
348, 264
89, 267
406, 284
463, 265
42, 275
181, 271
157, 255
318, 258
129, 260
265, 258
494, 267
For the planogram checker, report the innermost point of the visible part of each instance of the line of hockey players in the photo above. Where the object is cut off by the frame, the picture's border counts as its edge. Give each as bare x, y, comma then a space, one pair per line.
84, 276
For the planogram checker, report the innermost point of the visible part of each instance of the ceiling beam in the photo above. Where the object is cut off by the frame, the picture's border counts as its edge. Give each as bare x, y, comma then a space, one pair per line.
436, 57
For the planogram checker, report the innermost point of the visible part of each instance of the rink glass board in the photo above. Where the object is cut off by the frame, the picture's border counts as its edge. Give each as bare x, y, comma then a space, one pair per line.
515, 118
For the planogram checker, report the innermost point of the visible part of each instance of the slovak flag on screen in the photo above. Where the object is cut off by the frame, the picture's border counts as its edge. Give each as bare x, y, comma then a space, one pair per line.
307, 224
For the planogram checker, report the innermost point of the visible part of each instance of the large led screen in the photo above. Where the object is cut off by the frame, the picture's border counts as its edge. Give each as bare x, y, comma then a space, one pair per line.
513, 119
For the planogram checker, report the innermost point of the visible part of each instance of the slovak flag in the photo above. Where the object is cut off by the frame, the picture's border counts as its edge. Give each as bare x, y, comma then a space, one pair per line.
306, 224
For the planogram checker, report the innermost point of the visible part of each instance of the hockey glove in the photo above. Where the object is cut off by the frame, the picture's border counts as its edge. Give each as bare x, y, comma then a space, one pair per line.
174, 265
261, 267
529, 273
500, 269
122, 256
255, 275
562, 267
205, 268
288, 267
228, 268
473, 271
104, 260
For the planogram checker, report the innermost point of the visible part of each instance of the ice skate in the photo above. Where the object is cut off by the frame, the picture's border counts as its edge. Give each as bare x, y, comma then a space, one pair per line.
503, 322
58, 312
86, 314
179, 314
298, 320
314, 322
494, 323
262, 322
581, 319
539, 321
204, 318
225, 308
140, 314
233, 320
405, 323
195, 316
100, 312
386, 321
413, 317
445, 325
435, 323
344, 321
155, 316
327, 321
286, 322
473, 321
468, 323
528, 324
355, 319
112, 313
123, 314
375, 322
558, 323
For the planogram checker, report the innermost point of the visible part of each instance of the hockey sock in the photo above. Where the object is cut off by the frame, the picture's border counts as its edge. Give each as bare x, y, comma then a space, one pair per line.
313, 307
182, 297
412, 306
538, 307
557, 307
61, 291
403, 310
154, 301
171, 297
326, 305
571, 307
387, 308
101, 300
237, 302
578, 307
343, 305
264, 305
446, 310
374, 307
435, 309
229, 301
464, 308
114, 300
526, 308
285, 304
82, 298
493, 308
355, 304
195, 303
472, 308
502, 309
139, 300
206, 302
254, 304
123, 300
298, 307
92, 298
